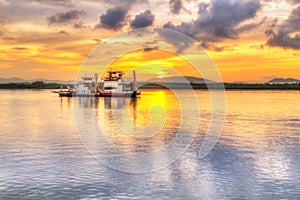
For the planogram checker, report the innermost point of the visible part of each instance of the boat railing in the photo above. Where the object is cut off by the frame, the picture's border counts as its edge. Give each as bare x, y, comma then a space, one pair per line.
117, 78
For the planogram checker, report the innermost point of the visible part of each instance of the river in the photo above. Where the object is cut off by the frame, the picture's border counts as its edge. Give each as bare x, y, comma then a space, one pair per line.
45, 152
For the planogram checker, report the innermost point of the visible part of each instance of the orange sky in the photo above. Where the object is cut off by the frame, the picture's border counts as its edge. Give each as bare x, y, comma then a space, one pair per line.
51, 39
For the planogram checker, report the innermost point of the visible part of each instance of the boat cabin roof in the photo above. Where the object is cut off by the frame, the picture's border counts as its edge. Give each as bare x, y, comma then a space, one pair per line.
113, 75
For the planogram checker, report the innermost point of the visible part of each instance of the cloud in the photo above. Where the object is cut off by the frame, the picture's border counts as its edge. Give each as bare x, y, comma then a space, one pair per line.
126, 4
20, 48
2, 21
80, 25
64, 3
220, 19
257, 46
294, 1
4, 3
143, 20
72, 3
288, 34
212, 47
11, 38
98, 41
65, 17
175, 6
180, 41
114, 18
150, 48
63, 32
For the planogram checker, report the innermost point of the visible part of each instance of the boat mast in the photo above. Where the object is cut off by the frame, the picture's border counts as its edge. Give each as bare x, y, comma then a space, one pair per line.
134, 80
96, 77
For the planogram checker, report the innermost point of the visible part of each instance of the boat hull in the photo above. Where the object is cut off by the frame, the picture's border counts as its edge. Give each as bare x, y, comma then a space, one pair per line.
66, 94
112, 94
101, 94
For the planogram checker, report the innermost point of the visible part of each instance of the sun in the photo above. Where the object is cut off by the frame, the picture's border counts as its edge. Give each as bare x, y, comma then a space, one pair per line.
160, 74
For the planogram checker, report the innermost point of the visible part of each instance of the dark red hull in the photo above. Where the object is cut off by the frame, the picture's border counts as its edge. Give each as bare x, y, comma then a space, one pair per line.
134, 94
101, 94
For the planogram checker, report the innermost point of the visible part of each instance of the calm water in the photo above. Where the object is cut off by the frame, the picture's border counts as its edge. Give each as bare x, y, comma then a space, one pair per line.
42, 156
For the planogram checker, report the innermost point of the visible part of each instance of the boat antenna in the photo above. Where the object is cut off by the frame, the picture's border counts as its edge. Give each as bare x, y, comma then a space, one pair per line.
96, 77
134, 80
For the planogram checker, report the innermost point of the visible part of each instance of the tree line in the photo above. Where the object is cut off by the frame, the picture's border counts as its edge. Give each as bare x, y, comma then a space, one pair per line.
203, 86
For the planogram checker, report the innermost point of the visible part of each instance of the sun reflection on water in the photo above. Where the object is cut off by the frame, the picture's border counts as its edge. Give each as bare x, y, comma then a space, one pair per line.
158, 111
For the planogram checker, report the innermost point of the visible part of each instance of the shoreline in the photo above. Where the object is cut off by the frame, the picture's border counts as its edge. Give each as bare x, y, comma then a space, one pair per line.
165, 86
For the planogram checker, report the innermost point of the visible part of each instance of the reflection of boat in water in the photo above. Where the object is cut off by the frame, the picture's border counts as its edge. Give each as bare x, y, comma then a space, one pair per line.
115, 85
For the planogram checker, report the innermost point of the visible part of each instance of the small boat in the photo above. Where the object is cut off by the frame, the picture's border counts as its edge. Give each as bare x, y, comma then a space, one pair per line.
115, 84
65, 94
86, 87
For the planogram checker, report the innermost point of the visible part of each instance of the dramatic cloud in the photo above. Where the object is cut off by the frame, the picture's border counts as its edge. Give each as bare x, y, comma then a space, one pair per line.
175, 6
187, 28
143, 20
114, 18
288, 34
180, 41
220, 19
65, 17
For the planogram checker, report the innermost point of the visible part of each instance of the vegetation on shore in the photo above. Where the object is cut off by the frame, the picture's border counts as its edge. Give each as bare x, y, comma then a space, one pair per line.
33, 85
199, 86
228, 86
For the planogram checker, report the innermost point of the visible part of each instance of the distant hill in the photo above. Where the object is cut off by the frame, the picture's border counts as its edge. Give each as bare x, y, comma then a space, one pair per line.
12, 80
284, 80
180, 79
19, 80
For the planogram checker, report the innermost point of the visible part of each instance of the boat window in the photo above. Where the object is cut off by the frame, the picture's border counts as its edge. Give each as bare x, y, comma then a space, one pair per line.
110, 87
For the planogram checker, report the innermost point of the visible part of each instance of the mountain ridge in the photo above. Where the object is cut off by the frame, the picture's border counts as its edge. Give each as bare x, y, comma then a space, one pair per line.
284, 80
20, 80
181, 79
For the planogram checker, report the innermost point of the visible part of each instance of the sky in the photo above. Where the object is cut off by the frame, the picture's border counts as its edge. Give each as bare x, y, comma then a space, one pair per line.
247, 40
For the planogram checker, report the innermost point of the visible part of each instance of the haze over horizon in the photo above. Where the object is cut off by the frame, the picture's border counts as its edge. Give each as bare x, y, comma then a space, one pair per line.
248, 40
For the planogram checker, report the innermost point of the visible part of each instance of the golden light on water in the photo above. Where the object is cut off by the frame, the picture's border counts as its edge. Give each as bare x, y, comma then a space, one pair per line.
159, 114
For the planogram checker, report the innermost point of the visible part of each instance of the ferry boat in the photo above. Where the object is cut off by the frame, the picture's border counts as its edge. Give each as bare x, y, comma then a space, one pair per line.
115, 85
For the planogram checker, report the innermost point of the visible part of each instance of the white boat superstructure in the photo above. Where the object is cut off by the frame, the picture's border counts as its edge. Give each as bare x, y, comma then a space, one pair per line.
115, 84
